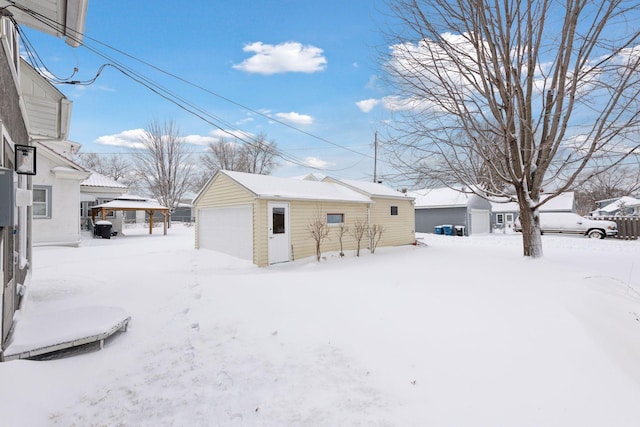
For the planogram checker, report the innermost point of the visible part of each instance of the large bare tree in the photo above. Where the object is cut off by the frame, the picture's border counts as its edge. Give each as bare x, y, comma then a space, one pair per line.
254, 156
163, 163
622, 180
512, 97
114, 165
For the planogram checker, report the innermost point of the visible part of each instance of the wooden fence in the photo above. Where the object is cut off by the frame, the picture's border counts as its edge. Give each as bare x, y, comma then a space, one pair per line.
628, 226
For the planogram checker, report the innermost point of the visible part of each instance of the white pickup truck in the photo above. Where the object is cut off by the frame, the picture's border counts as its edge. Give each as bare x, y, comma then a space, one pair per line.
571, 223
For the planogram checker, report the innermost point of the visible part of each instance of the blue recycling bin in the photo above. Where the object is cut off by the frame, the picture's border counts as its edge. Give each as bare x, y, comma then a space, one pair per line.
447, 230
438, 229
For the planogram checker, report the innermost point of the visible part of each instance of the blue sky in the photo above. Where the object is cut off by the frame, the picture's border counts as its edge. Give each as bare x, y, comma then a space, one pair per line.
310, 65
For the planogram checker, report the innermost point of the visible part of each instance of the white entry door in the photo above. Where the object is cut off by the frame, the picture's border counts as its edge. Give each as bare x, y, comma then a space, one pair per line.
278, 232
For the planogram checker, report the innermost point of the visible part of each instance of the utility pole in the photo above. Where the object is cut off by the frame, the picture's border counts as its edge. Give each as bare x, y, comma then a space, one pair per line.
375, 157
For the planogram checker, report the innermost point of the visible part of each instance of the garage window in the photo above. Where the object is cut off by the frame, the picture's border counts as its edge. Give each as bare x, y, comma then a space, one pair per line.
335, 218
394, 210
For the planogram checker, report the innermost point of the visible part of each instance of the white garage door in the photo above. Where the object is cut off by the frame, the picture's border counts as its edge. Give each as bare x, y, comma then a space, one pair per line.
228, 230
480, 221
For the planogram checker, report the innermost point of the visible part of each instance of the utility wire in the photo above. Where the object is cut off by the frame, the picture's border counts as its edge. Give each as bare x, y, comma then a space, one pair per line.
166, 93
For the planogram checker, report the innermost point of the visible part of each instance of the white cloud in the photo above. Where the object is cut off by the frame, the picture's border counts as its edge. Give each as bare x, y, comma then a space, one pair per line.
128, 138
244, 121
393, 103
131, 138
367, 105
199, 139
299, 119
315, 162
282, 58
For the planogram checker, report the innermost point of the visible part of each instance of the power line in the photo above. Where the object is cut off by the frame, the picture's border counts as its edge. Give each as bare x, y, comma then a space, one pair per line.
166, 93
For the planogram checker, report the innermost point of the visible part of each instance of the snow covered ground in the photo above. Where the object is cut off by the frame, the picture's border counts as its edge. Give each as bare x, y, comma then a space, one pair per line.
462, 331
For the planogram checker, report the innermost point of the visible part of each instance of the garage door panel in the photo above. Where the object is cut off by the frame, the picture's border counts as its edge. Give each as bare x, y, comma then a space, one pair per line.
228, 230
480, 221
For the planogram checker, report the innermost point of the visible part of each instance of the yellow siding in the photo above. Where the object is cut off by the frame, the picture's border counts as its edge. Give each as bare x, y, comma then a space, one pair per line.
302, 214
260, 233
397, 229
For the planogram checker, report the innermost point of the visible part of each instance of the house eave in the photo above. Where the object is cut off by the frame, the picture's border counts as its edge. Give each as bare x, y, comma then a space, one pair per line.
60, 18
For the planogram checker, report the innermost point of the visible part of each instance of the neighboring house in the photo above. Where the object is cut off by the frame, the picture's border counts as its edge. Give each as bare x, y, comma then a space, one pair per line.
447, 206
266, 219
503, 214
622, 206
25, 116
183, 213
99, 189
56, 197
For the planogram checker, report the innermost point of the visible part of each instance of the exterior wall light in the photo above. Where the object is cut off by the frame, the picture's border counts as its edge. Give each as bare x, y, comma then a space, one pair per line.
25, 160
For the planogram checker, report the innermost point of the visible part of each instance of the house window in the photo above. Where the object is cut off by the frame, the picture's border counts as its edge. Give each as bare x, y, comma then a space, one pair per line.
500, 218
85, 209
111, 214
509, 218
335, 218
42, 201
394, 210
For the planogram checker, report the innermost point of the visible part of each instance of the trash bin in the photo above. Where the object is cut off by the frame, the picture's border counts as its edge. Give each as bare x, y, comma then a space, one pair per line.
447, 230
102, 229
438, 229
459, 229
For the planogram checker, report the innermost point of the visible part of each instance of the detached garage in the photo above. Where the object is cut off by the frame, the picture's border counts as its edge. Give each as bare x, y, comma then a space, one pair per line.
440, 206
266, 219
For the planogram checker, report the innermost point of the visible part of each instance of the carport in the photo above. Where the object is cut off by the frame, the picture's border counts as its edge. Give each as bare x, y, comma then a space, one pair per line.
131, 205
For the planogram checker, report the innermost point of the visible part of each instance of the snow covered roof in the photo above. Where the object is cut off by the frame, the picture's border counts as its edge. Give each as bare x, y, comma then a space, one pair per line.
131, 204
562, 202
309, 177
61, 157
615, 206
133, 197
266, 186
99, 180
371, 188
497, 206
440, 198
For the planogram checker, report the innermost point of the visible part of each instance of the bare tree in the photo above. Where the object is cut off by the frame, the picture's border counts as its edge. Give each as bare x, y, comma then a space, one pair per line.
114, 165
255, 156
515, 95
358, 231
623, 180
341, 231
375, 234
163, 163
261, 155
226, 155
318, 230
